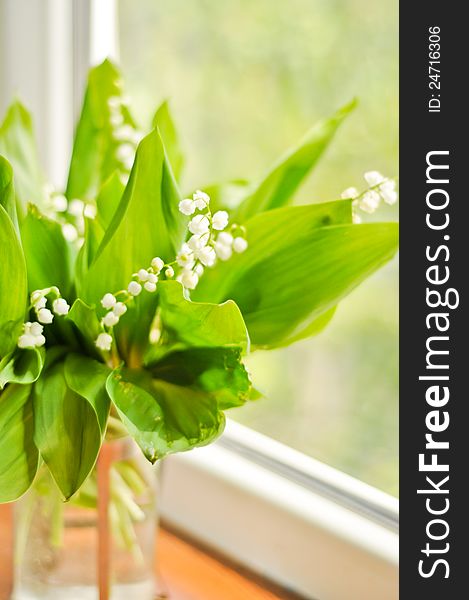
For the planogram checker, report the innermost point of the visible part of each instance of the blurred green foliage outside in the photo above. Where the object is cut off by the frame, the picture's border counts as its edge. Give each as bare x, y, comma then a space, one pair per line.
245, 80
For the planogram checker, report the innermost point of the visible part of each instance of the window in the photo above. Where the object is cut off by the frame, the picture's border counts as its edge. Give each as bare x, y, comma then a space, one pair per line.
245, 80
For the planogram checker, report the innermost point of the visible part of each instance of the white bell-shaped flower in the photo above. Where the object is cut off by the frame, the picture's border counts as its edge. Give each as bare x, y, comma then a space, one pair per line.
39, 340
199, 224
220, 220
189, 279
157, 263
59, 203
70, 232
239, 245
119, 309
33, 328
373, 177
26, 341
225, 238
150, 286
60, 307
223, 251
134, 288
207, 256
185, 258
142, 274
76, 207
196, 242
110, 319
104, 341
45, 316
201, 199
369, 202
350, 192
169, 272
187, 207
108, 301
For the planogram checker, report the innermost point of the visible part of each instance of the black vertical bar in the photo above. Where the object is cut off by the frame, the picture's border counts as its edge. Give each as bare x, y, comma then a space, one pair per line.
433, 118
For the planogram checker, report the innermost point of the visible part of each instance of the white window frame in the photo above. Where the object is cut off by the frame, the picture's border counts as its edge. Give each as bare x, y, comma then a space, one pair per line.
300, 523
295, 520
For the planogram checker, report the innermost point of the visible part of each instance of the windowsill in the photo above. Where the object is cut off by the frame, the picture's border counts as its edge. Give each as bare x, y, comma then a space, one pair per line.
290, 518
184, 570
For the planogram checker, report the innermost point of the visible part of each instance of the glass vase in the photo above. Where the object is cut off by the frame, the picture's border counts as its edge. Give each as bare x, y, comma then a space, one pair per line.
100, 545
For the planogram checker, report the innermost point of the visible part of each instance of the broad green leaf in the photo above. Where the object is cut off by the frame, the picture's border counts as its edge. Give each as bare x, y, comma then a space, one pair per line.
7, 191
87, 324
87, 377
165, 124
164, 418
218, 371
107, 203
93, 235
19, 458
107, 200
147, 224
66, 430
94, 156
22, 366
18, 146
267, 233
281, 292
279, 186
13, 285
47, 253
310, 330
187, 324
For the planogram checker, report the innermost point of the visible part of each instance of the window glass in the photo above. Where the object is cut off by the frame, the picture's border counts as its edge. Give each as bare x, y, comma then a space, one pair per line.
245, 80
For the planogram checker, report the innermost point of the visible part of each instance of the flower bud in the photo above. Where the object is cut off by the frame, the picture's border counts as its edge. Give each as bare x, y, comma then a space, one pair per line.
187, 207
104, 341
60, 307
108, 301
134, 288
110, 319
220, 220
45, 316
119, 309
239, 245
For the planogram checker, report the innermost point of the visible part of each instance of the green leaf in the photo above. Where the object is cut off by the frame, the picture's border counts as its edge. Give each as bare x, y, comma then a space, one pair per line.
13, 285
164, 418
87, 323
107, 200
187, 324
267, 233
281, 291
66, 430
107, 203
47, 253
94, 150
19, 458
165, 124
279, 186
23, 366
18, 146
87, 377
218, 371
7, 191
147, 224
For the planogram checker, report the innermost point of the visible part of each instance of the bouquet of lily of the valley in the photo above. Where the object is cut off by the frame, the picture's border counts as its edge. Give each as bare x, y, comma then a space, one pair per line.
127, 308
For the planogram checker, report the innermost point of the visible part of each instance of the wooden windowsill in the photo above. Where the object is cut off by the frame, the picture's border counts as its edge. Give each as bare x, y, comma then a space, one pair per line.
185, 571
